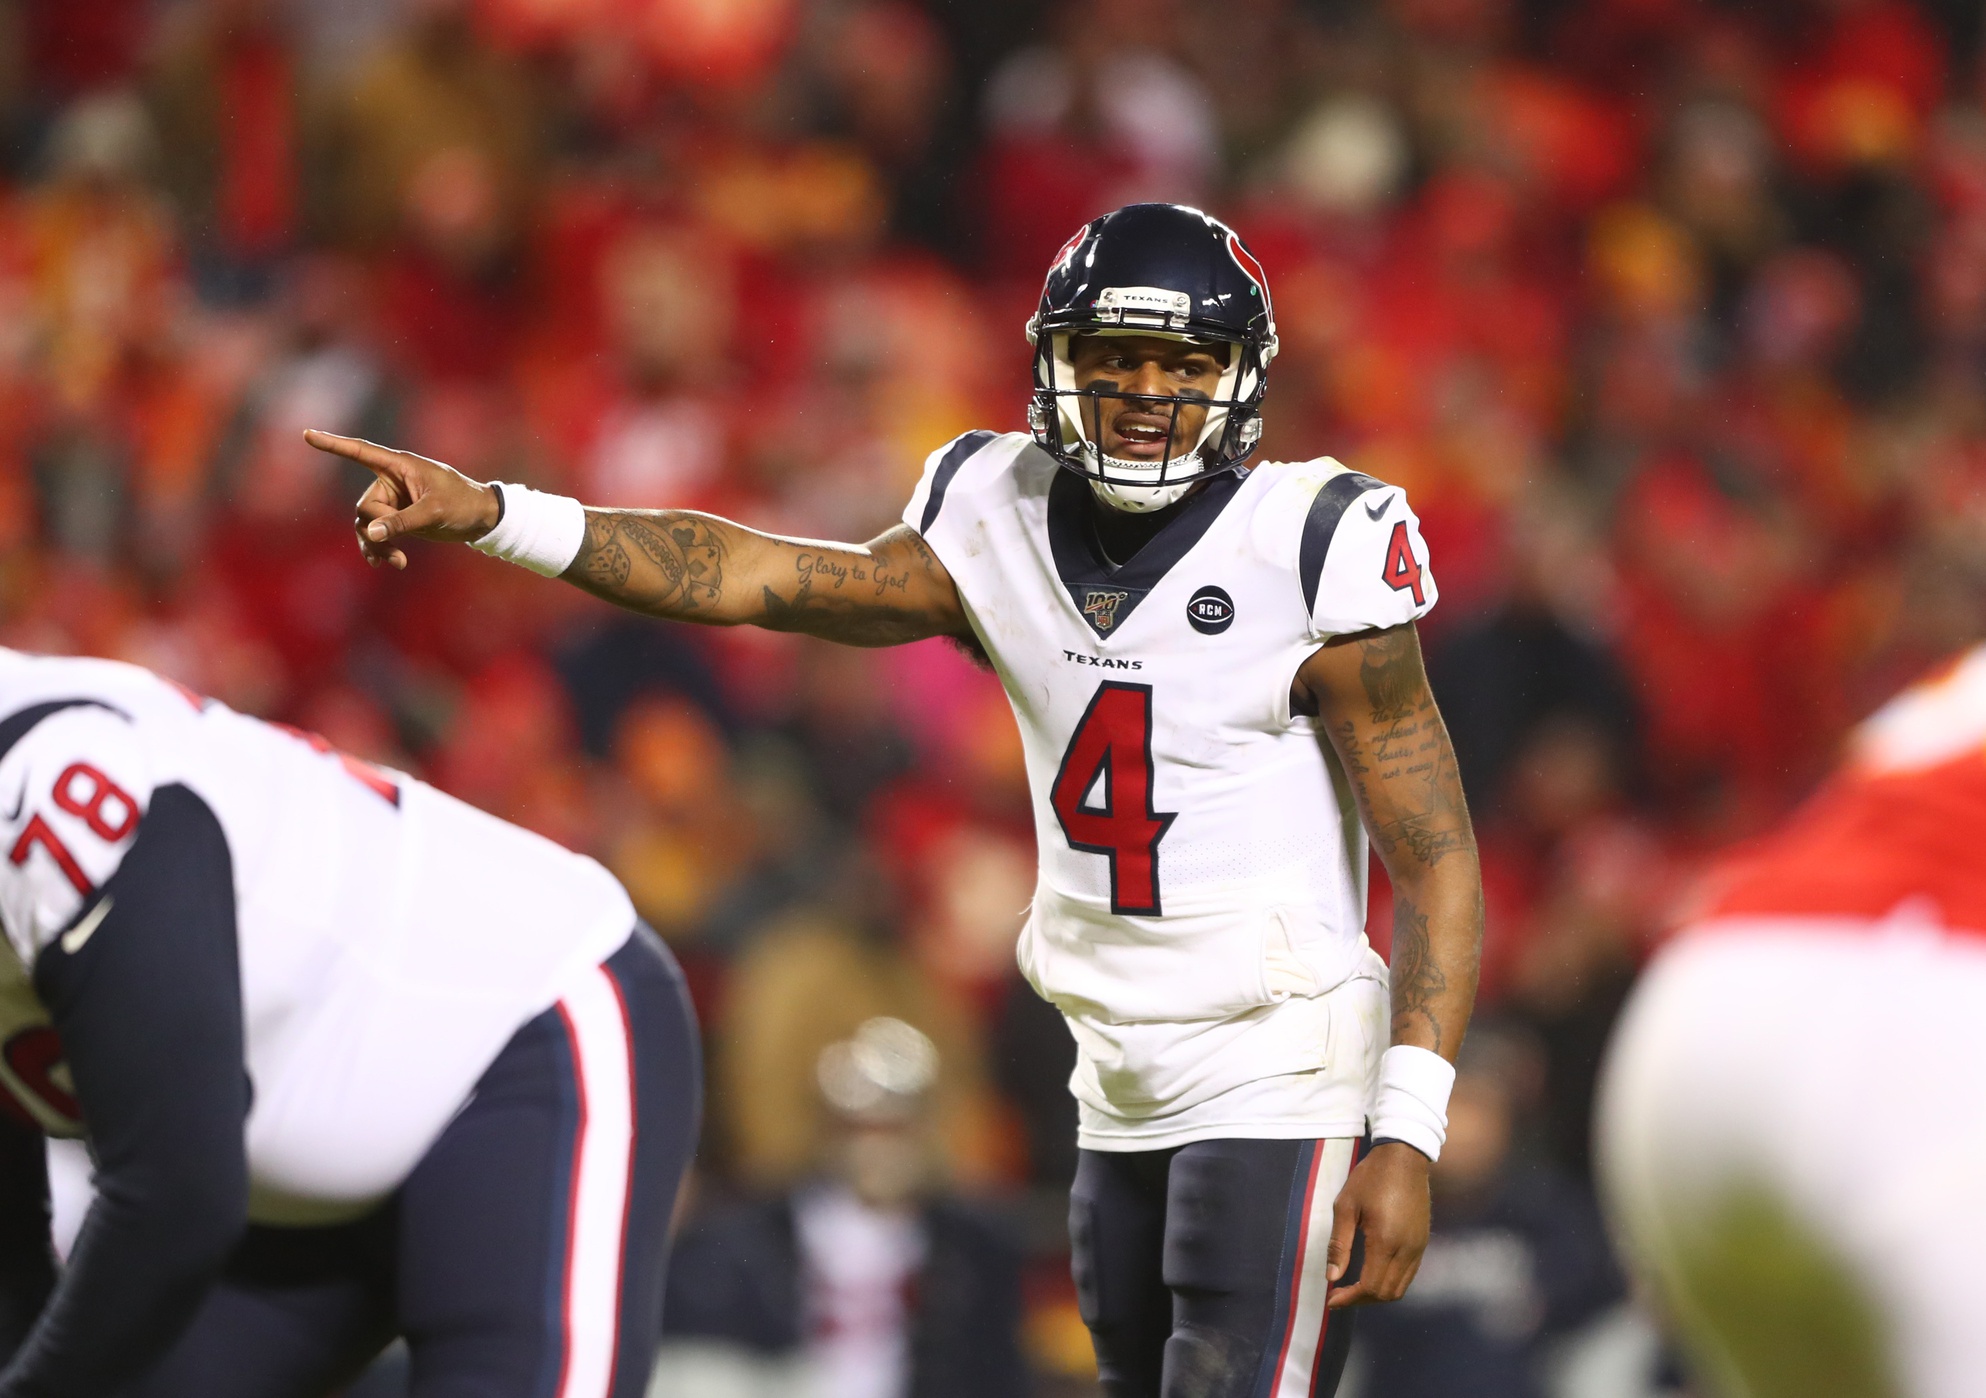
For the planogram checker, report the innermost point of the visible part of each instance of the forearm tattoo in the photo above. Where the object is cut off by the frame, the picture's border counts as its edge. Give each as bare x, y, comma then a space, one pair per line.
1418, 980
662, 561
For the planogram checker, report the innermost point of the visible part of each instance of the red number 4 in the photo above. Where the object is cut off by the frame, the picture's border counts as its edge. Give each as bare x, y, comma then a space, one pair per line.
108, 809
1114, 743
1402, 569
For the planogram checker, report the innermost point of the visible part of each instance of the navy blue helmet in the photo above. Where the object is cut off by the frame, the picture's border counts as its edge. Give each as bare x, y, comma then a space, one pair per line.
1153, 269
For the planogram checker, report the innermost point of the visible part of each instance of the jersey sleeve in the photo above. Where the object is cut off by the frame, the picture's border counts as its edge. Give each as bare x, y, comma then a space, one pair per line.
927, 501
73, 792
147, 1000
1362, 560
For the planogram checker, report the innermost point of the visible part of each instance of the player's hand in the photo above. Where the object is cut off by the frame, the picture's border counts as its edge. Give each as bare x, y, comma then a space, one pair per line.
410, 495
1386, 1198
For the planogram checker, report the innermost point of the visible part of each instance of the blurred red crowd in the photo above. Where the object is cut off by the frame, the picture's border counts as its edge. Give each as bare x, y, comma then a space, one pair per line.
1669, 314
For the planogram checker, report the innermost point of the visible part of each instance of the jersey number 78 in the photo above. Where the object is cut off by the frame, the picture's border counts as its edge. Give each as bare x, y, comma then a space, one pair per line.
104, 799
1103, 794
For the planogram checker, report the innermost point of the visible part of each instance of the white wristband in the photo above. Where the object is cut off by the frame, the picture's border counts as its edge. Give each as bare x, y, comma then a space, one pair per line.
1413, 1098
537, 531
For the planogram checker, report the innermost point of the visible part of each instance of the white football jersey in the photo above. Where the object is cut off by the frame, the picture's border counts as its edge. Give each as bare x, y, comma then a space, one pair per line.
1202, 866
391, 938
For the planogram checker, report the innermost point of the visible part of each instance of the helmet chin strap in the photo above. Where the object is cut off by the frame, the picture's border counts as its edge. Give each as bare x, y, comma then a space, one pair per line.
1137, 499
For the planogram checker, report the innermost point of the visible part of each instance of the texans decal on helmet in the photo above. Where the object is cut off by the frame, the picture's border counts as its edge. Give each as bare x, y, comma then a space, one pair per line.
1245, 260
1068, 250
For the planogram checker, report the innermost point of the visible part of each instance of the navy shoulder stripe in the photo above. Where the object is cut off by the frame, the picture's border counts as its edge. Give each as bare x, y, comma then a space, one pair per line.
1321, 524
941, 479
18, 725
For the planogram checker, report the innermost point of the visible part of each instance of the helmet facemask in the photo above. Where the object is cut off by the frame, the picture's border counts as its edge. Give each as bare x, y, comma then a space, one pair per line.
1062, 413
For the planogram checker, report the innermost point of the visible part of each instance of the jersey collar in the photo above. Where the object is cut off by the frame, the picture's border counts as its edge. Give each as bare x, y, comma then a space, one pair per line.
1105, 594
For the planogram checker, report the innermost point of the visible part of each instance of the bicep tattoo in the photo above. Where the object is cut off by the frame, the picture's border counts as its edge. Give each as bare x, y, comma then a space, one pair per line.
1388, 667
859, 598
1400, 759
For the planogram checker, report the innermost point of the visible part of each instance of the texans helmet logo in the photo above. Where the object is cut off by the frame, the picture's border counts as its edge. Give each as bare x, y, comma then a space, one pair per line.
1101, 606
1250, 268
1068, 250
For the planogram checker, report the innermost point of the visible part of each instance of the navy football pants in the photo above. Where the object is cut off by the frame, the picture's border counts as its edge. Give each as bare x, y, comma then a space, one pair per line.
1200, 1270
524, 1256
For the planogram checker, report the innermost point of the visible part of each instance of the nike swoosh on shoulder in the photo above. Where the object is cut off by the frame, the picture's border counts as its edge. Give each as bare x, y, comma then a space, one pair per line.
1375, 511
73, 939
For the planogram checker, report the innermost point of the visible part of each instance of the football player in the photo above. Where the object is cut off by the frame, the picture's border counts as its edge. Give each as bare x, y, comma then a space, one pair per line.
1837, 967
352, 1060
1216, 675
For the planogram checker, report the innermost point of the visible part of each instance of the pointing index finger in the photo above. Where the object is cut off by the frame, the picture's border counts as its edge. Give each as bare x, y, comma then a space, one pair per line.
381, 461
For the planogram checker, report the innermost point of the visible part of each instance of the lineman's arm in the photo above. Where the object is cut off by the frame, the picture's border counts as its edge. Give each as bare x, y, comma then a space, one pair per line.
1371, 696
677, 563
146, 995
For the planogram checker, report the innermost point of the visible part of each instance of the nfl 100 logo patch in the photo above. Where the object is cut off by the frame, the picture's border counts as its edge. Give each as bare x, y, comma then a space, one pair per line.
1210, 610
1100, 606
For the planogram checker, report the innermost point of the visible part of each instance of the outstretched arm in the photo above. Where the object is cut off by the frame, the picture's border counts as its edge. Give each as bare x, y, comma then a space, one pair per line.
696, 567
1371, 695
677, 563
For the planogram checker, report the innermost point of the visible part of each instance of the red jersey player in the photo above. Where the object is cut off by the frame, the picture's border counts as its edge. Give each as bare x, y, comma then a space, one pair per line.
1791, 1133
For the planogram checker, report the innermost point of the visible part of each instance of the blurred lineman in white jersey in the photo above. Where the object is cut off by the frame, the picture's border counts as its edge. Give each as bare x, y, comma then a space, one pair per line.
352, 1060
1220, 694
1792, 1127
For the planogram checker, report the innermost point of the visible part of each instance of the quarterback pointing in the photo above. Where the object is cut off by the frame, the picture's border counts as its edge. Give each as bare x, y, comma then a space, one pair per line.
1220, 695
